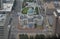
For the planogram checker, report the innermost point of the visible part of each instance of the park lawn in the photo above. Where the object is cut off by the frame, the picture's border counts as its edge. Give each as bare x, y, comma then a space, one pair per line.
40, 27
25, 10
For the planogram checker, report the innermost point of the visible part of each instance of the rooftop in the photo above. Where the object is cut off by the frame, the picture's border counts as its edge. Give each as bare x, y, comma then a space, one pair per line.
7, 6
50, 5
2, 19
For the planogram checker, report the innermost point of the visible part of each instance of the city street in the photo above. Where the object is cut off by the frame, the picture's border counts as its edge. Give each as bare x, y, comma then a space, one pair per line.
14, 23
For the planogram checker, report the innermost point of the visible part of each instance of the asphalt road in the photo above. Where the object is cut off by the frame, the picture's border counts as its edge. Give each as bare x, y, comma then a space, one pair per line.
14, 25
6, 26
15, 21
18, 5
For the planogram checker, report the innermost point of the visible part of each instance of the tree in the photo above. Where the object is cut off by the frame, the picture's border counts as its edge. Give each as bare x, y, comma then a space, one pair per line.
31, 37
30, 0
36, 9
25, 0
40, 36
23, 4
52, 37
35, 25
58, 36
49, 37
25, 36
37, 36
22, 36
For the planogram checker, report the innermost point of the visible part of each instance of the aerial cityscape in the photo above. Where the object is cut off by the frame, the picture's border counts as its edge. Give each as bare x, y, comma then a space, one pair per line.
29, 19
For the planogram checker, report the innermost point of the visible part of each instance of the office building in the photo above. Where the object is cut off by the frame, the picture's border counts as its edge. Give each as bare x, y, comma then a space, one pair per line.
57, 21
4, 18
2, 25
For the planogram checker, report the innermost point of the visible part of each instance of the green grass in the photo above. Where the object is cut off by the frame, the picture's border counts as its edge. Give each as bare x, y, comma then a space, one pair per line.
25, 10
